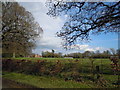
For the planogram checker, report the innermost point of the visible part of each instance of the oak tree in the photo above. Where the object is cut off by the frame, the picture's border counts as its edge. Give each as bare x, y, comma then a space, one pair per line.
19, 29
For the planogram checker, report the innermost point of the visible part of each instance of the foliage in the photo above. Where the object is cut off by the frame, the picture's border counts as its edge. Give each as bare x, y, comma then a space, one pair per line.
51, 54
116, 68
19, 29
87, 54
54, 68
79, 71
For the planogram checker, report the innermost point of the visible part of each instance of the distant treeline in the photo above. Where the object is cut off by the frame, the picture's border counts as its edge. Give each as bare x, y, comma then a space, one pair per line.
86, 54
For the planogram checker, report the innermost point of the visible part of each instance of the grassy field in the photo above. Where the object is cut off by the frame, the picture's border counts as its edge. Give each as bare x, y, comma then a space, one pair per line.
67, 60
44, 82
83, 63
57, 82
53, 82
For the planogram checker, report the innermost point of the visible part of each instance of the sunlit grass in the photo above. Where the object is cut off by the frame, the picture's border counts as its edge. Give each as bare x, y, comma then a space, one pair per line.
53, 82
44, 82
82, 63
67, 60
56, 82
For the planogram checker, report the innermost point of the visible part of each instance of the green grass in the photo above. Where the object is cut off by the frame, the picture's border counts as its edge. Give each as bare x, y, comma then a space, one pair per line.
53, 82
111, 78
83, 63
56, 82
44, 82
68, 60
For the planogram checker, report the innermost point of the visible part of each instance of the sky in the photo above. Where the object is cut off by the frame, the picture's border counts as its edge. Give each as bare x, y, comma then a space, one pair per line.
51, 25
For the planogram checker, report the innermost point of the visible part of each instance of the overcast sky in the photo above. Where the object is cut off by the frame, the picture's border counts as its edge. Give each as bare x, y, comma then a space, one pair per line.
51, 25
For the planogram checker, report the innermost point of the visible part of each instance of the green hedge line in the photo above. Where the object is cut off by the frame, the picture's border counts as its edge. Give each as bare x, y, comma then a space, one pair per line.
68, 71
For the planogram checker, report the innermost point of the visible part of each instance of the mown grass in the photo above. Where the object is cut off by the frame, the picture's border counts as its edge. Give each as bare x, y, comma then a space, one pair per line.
44, 81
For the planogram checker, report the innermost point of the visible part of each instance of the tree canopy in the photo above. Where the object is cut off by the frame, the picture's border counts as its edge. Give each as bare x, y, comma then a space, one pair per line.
19, 29
85, 18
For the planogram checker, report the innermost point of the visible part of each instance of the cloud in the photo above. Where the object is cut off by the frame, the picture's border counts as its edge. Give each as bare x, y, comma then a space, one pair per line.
86, 47
50, 42
48, 46
50, 26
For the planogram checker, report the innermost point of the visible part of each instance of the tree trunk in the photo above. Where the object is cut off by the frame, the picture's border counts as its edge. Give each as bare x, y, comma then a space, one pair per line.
13, 54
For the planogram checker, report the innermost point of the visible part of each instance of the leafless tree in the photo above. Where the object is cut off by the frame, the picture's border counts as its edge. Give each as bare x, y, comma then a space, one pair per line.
85, 18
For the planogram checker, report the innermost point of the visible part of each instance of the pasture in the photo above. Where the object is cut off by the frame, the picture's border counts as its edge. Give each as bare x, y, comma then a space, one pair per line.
84, 64
64, 69
68, 60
